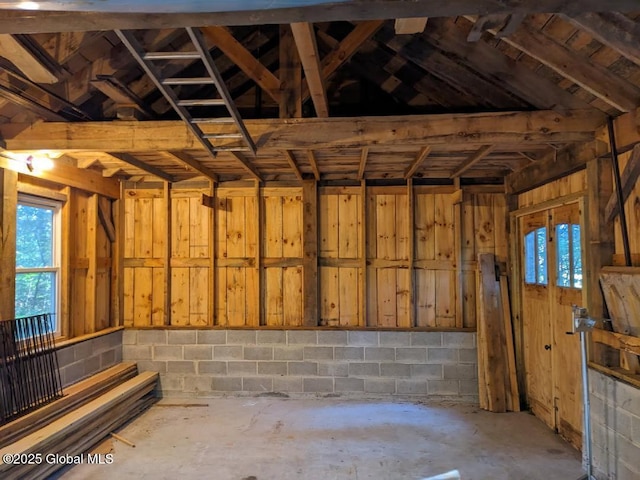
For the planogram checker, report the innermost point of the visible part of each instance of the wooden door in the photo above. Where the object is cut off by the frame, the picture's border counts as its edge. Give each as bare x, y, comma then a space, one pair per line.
551, 284
565, 282
536, 316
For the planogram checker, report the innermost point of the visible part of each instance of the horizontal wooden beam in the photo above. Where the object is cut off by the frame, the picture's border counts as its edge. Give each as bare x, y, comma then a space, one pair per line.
537, 127
62, 174
554, 166
33, 21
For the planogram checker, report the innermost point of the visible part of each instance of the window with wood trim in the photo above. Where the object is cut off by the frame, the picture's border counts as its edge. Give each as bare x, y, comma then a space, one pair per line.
535, 255
568, 255
38, 258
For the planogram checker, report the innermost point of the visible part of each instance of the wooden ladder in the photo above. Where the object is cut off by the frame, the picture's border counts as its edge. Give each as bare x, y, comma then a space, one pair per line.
183, 106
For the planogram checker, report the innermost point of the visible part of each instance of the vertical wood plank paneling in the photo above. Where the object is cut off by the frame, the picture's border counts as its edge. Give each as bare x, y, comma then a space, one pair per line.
142, 306
348, 225
236, 281
425, 227
273, 297
159, 294
8, 213
180, 296
349, 297
425, 298
292, 296
180, 227
331, 296
198, 288
328, 223
273, 227
91, 253
387, 284
128, 294
385, 227
292, 224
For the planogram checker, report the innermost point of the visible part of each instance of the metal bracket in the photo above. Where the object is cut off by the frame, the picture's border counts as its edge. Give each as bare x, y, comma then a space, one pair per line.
582, 322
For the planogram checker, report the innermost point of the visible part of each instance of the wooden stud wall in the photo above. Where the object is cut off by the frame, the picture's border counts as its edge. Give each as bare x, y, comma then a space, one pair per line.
386, 256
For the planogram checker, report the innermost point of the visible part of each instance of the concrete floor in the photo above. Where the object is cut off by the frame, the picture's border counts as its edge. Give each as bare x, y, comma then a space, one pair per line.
326, 439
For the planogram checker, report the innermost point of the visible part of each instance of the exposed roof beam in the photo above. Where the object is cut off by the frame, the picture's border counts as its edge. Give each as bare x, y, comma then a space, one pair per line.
343, 51
594, 78
614, 30
133, 161
16, 52
112, 172
408, 26
535, 127
67, 175
21, 21
554, 166
314, 164
222, 38
501, 69
415, 165
291, 160
247, 165
628, 179
363, 162
472, 160
504, 25
308, 49
191, 162
120, 93
290, 75
31, 105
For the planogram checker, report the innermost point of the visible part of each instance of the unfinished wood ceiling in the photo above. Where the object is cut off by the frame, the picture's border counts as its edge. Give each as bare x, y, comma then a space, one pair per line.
330, 100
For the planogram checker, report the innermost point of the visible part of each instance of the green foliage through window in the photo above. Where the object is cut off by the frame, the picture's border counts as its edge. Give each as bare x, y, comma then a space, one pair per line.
37, 265
535, 254
569, 255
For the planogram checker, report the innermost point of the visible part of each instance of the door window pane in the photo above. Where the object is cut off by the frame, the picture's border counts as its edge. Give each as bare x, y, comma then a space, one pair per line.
563, 255
535, 255
577, 256
541, 239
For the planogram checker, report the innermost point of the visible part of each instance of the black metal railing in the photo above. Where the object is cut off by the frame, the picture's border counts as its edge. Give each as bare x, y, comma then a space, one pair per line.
29, 372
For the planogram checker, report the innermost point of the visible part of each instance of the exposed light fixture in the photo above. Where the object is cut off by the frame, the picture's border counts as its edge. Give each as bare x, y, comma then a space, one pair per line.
30, 162
28, 6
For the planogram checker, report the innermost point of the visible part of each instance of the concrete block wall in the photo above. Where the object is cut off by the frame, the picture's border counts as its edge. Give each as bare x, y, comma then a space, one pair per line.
83, 359
615, 426
307, 362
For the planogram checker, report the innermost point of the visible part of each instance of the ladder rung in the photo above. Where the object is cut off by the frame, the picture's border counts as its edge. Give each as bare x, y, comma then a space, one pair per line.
171, 56
199, 102
213, 120
231, 149
222, 135
188, 81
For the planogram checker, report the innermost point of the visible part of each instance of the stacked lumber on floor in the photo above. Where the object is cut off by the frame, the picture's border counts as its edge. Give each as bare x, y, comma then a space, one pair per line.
94, 409
498, 385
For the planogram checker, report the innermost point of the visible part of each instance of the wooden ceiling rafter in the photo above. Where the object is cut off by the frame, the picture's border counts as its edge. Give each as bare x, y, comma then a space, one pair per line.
121, 94
417, 163
247, 165
187, 160
314, 164
612, 29
22, 56
291, 160
344, 50
362, 167
223, 39
145, 167
472, 160
305, 38
613, 90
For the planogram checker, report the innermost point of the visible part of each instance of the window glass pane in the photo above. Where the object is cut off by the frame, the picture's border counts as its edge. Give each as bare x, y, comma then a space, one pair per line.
577, 256
563, 259
34, 237
541, 244
530, 257
35, 293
